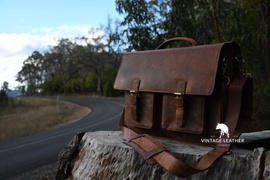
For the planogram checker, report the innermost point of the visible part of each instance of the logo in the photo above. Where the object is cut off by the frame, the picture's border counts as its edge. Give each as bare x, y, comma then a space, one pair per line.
224, 136
223, 130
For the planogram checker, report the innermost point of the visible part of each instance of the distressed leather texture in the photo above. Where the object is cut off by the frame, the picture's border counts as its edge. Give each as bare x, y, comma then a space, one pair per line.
161, 70
155, 75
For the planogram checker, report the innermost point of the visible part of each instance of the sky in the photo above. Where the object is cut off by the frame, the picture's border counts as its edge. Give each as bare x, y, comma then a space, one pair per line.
29, 25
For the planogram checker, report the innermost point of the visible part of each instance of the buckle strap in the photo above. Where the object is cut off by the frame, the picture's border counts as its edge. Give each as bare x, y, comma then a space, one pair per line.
132, 107
132, 138
179, 103
135, 85
150, 154
146, 154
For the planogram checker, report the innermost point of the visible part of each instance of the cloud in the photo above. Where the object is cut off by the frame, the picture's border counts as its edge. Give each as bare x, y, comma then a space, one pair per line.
64, 30
16, 47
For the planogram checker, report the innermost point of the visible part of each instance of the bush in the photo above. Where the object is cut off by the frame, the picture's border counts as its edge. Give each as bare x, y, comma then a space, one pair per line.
54, 85
108, 89
90, 82
74, 85
107, 85
84, 83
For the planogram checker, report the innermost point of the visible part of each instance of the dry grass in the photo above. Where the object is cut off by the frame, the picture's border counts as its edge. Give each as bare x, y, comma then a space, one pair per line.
28, 115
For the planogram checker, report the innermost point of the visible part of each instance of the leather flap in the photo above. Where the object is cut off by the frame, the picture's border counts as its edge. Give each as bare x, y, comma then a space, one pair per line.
166, 70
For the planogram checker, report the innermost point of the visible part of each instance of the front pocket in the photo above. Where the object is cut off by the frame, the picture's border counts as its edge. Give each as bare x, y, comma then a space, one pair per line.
139, 110
183, 115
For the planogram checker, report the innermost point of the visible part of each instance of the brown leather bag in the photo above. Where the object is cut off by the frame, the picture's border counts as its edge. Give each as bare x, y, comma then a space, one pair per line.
183, 93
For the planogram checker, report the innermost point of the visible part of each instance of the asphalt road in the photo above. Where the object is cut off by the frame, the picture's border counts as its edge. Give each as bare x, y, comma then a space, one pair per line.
26, 153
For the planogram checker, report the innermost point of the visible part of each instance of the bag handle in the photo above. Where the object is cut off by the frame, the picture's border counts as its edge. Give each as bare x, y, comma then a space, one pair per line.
165, 43
153, 151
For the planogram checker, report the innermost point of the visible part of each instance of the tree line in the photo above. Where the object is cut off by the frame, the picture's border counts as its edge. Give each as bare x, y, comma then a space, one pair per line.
74, 68
82, 66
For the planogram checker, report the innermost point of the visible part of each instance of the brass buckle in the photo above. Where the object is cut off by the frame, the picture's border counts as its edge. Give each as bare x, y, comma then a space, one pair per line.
133, 93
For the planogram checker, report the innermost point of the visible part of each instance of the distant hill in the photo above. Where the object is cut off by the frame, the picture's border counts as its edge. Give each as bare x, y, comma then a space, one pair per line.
13, 93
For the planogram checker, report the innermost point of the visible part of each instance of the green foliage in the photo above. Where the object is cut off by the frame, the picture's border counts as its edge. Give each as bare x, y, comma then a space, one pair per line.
69, 67
190, 19
142, 24
108, 81
85, 84
54, 85
31, 72
5, 86
73, 85
89, 82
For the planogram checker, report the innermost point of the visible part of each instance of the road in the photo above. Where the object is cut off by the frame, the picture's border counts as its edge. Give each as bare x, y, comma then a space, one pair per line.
26, 153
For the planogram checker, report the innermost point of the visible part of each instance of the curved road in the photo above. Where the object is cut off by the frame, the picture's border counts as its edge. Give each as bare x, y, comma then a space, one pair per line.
26, 153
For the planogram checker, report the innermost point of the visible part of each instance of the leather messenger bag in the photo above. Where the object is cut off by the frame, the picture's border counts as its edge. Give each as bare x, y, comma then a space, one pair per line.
183, 94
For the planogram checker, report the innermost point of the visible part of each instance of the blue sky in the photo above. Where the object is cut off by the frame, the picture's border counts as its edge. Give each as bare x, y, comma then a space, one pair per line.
28, 25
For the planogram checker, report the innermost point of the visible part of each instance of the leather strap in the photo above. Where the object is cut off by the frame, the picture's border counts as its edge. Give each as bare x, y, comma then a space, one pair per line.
179, 103
132, 107
165, 43
152, 150
234, 103
179, 112
145, 145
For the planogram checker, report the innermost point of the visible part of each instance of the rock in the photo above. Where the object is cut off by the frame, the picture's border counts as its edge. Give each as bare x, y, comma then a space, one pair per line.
256, 139
67, 157
102, 155
266, 173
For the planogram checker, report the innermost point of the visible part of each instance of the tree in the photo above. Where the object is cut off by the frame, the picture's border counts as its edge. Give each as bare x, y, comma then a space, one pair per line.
21, 89
31, 72
95, 58
142, 23
5, 86
3, 94
69, 67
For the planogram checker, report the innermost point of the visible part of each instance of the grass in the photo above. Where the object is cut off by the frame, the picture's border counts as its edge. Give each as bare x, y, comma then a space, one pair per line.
28, 115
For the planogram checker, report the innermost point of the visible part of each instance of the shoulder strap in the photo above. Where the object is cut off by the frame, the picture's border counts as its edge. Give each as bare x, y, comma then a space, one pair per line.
155, 152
